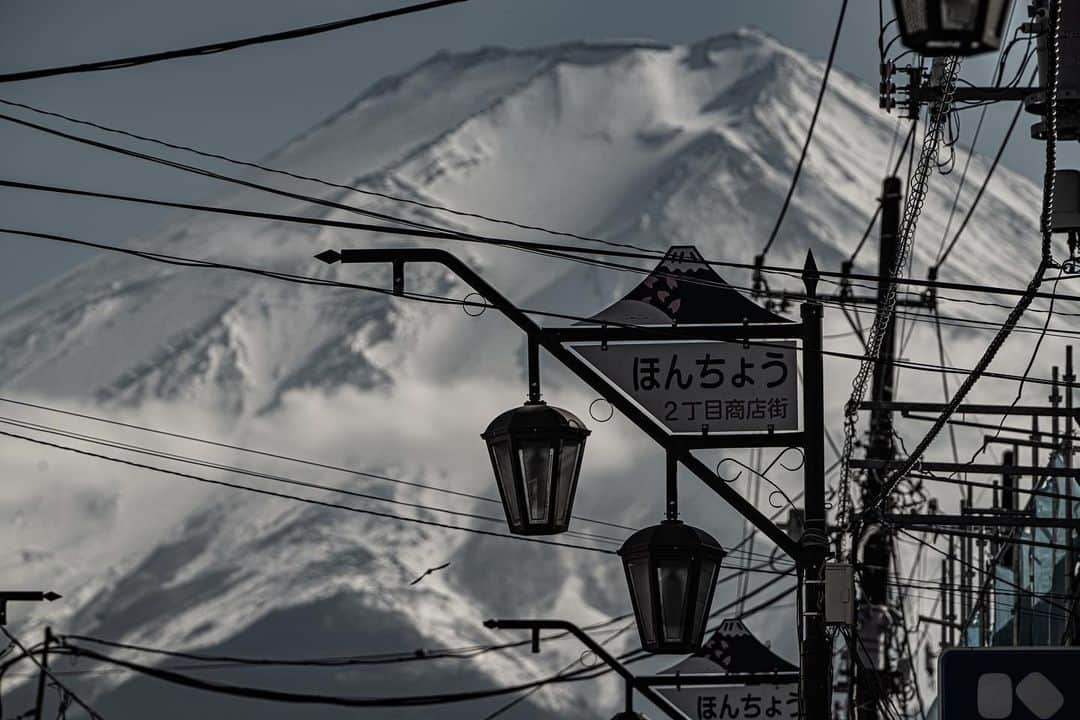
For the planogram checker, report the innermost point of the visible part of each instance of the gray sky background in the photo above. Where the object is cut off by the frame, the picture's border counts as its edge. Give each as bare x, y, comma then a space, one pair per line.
248, 102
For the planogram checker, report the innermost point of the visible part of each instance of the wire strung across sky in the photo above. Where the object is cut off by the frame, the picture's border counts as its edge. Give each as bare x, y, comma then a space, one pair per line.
248, 692
1003, 56
321, 181
567, 252
1045, 262
272, 477
671, 332
94, 715
214, 48
563, 251
809, 132
279, 456
307, 500
944, 255
297, 498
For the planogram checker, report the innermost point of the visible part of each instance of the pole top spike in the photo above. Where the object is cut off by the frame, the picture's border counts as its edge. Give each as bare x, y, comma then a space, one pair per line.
329, 256
810, 275
51, 596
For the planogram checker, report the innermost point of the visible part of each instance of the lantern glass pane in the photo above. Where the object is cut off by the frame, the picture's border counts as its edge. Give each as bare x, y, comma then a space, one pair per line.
536, 469
914, 14
672, 578
996, 17
959, 14
569, 457
638, 573
706, 580
501, 458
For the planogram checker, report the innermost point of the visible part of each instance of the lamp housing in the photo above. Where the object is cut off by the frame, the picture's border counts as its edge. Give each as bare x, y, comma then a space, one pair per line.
536, 451
671, 570
952, 27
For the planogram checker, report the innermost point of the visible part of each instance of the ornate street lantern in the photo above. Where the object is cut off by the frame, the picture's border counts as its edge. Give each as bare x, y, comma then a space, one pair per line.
952, 27
536, 453
671, 569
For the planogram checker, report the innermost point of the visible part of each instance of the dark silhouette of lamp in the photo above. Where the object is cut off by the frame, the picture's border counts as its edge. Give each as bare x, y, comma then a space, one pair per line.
536, 452
952, 27
671, 569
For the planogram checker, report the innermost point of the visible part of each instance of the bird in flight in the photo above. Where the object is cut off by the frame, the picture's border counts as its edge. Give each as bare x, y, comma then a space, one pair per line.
429, 571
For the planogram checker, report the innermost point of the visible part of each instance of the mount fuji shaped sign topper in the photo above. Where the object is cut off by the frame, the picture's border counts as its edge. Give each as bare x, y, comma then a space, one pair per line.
684, 289
733, 650
687, 381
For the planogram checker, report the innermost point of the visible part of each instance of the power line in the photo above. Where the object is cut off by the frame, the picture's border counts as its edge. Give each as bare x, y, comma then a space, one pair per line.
287, 458
274, 478
809, 132
877, 209
213, 48
996, 79
553, 250
297, 498
917, 189
982, 188
311, 501
1046, 259
254, 693
317, 180
971, 566
422, 229
313, 698
444, 233
94, 715
673, 333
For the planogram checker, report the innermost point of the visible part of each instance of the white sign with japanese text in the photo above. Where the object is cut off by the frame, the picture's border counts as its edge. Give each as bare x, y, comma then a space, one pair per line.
745, 702
713, 387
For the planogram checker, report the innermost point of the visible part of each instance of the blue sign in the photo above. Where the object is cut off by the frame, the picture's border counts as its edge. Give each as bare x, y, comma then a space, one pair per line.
1010, 683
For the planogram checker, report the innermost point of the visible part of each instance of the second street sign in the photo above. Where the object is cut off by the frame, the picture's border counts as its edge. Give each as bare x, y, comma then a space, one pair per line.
712, 387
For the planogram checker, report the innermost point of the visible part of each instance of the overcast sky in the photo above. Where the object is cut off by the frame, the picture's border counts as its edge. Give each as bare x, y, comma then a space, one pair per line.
248, 102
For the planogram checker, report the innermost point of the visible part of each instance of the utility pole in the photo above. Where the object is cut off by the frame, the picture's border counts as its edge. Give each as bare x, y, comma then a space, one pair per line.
872, 679
39, 704
814, 664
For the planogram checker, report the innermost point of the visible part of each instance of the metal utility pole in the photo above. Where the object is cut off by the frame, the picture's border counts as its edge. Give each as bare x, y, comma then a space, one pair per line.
39, 704
872, 677
816, 690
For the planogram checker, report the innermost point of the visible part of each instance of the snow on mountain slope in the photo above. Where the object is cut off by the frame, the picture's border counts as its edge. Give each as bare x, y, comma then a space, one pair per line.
641, 143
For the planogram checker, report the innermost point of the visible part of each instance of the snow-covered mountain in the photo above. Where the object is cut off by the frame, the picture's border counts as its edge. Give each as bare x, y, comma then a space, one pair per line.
640, 143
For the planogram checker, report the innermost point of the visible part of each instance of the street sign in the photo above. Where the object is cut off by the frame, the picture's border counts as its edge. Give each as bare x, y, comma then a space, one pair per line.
711, 387
1010, 683
778, 702
733, 650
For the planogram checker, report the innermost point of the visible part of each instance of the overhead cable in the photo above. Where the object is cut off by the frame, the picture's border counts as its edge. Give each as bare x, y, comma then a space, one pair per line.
94, 715
672, 332
809, 132
297, 498
553, 250
944, 255
1045, 261
213, 48
322, 181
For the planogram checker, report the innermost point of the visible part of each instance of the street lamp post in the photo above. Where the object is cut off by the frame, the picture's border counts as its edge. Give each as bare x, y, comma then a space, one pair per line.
682, 562
7, 596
